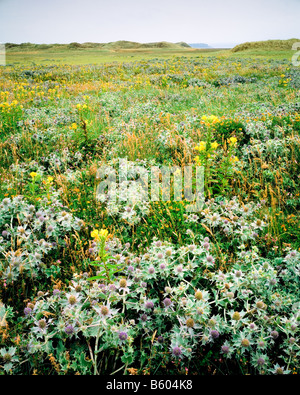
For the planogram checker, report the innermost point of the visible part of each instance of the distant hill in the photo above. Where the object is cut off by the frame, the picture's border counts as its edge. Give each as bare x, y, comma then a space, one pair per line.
268, 45
136, 45
199, 45
115, 45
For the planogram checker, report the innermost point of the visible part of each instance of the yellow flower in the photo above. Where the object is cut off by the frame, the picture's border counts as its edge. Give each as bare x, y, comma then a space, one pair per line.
214, 145
201, 146
74, 126
103, 233
95, 234
234, 159
232, 140
210, 119
33, 174
50, 179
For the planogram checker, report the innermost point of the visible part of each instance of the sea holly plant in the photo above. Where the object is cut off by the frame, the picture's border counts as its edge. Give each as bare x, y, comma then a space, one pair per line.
107, 264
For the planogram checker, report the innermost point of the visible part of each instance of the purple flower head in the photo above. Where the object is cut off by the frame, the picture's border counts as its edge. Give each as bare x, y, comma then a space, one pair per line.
69, 329
112, 287
179, 269
160, 339
214, 334
210, 259
167, 302
149, 304
274, 334
225, 349
151, 270
123, 336
238, 273
176, 351
260, 361
27, 310
206, 245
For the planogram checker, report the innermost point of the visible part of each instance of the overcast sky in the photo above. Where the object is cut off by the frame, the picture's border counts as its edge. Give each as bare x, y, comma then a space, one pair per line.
192, 21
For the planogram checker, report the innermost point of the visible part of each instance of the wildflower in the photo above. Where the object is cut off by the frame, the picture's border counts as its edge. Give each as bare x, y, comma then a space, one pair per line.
151, 270
232, 140
27, 310
236, 316
234, 159
95, 234
123, 336
214, 145
144, 317
42, 323
245, 343
198, 295
214, 334
225, 349
72, 299
176, 351
201, 147
33, 174
69, 329
103, 233
123, 283
149, 304
104, 310
190, 323
167, 302
274, 334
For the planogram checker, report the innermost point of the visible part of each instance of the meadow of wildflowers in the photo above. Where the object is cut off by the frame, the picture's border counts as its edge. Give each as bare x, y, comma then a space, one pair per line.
91, 285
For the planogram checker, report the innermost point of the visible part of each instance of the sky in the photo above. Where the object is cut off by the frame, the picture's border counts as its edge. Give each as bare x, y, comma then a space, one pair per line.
192, 21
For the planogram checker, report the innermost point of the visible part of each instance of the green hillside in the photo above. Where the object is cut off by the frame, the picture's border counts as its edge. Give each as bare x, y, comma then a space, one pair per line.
268, 45
115, 45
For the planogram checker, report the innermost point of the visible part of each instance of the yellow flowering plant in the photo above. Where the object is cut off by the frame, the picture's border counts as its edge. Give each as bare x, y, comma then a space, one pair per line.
217, 159
108, 266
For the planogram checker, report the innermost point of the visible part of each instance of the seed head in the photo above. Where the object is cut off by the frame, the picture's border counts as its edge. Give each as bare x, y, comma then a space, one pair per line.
123, 283
72, 299
245, 343
198, 295
190, 323
104, 310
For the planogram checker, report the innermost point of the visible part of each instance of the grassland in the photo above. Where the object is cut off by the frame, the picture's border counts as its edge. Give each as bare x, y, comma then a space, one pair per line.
96, 53
91, 285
